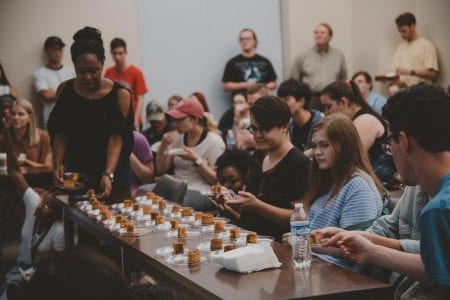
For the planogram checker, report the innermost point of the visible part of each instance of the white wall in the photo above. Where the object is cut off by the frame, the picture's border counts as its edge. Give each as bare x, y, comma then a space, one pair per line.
365, 30
186, 44
24, 26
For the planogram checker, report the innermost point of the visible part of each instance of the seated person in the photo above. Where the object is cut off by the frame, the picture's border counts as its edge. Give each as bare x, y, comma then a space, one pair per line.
159, 124
344, 97
277, 177
297, 96
343, 189
28, 140
6, 102
141, 161
78, 274
232, 167
364, 82
238, 114
173, 101
197, 149
400, 230
395, 86
42, 231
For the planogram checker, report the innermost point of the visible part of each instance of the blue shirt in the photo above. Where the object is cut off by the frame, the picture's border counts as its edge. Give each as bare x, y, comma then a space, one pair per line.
359, 200
377, 101
435, 235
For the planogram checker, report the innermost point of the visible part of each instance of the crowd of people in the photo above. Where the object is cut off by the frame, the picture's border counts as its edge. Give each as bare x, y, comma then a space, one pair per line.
328, 141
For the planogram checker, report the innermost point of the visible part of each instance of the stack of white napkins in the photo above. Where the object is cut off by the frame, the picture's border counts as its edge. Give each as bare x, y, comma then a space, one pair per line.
249, 259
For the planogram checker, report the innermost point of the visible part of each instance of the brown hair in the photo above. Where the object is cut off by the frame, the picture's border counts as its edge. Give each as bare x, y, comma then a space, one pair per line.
349, 156
327, 26
253, 32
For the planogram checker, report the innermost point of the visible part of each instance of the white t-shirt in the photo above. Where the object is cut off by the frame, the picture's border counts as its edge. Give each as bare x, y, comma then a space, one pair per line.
54, 239
46, 78
209, 149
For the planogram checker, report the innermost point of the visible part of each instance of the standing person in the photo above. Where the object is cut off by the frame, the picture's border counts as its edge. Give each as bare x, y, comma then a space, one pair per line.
5, 87
421, 158
320, 65
415, 58
92, 120
129, 76
248, 69
277, 177
198, 149
48, 78
28, 140
364, 82
298, 96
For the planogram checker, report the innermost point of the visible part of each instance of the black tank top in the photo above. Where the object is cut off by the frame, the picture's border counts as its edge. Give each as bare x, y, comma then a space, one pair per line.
376, 150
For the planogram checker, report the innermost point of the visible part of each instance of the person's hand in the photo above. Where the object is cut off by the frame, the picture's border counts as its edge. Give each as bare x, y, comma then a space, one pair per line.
334, 237
188, 154
106, 185
357, 248
245, 201
167, 139
246, 140
286, 238
58, 175
324, 234
403, 71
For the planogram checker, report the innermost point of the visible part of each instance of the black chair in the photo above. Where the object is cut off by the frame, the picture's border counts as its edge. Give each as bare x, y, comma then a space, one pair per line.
171, 188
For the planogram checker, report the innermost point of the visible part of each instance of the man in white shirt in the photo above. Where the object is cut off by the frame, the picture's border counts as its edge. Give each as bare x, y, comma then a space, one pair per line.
47, 78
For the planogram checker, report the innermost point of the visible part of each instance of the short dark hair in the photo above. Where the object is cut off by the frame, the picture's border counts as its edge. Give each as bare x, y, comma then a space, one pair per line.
366, 76
421, 111
405, 19
88, 40
234, 158
118, 42
270, 112
296, 89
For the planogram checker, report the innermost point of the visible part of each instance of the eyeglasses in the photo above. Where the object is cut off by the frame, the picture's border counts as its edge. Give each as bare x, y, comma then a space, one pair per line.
386, 146
254, 129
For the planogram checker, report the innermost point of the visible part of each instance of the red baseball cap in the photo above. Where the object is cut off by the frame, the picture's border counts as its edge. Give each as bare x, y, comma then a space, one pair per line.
187, 107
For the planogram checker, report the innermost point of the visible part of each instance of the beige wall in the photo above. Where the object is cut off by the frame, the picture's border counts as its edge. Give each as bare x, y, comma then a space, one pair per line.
364, 30
24, 25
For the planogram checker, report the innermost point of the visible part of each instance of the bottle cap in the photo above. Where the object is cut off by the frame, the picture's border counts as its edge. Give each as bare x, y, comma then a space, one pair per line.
298, 205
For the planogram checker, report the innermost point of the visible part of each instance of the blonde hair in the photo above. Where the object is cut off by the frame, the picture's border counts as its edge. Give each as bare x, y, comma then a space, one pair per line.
32, 136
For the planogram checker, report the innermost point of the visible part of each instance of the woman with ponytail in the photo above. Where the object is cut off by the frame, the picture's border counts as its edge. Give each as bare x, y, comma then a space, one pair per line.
344, 97
92, 121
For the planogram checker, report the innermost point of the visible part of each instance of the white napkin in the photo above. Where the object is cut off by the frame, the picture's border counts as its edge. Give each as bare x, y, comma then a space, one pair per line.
249, 259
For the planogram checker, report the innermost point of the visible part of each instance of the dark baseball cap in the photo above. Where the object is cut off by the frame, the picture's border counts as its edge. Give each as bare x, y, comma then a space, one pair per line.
53, 41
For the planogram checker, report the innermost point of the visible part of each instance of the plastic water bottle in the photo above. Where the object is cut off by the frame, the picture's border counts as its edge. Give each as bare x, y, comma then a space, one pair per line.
300, 230
231, 141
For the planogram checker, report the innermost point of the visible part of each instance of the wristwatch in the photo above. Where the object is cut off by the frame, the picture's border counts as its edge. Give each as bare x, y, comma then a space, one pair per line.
110, 175
198, 162
413, 72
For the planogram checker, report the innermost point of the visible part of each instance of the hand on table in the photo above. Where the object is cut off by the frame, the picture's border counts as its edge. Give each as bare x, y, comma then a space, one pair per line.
356, 248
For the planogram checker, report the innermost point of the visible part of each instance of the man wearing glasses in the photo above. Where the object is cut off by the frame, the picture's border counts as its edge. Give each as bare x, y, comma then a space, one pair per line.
248, 70
421, 151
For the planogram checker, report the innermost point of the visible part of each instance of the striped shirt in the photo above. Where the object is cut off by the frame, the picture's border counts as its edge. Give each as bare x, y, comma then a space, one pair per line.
357, 201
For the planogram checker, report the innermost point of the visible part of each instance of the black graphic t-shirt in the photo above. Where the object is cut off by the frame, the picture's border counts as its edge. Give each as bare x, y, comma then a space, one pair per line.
256, 69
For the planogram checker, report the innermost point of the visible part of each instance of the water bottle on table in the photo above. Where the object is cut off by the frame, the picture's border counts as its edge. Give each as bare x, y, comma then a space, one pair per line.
300, 230
231, 141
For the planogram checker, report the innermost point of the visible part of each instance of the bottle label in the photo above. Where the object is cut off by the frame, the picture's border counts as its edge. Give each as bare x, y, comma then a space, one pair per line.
301, 229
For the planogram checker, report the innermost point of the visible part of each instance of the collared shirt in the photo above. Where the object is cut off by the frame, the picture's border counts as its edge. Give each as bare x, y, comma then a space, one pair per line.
318, 69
